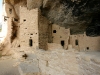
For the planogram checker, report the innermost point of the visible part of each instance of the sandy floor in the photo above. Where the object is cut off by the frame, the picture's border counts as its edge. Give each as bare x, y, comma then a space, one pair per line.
7, 68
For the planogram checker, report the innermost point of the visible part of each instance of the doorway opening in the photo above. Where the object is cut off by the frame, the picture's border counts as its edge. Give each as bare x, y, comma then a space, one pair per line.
30, 42
76, 42
62, 43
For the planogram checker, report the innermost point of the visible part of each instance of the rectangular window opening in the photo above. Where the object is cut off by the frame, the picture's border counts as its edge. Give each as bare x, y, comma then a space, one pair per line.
30, 42
54, 31
15, 19
76, 42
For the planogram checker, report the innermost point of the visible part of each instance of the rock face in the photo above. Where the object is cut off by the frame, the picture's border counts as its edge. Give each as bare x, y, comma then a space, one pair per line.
89, 63
56, 62
79, 15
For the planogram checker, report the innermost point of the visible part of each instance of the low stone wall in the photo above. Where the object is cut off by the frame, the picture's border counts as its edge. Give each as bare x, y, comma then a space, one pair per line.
54, 46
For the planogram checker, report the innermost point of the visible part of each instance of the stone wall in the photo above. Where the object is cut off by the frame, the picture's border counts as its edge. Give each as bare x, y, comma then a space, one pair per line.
31, 4
60, 35
29, 28
43, 32
54, 46
73, 38
93, 43
83, 43
50, 39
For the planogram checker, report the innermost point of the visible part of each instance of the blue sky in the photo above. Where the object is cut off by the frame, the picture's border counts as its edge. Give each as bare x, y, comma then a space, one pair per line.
0, 9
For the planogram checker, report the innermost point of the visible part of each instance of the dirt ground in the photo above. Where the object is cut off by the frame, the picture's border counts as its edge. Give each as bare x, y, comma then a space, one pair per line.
7, 68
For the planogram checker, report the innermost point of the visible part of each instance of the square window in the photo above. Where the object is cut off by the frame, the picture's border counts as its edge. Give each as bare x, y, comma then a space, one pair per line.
54, 31
15, 19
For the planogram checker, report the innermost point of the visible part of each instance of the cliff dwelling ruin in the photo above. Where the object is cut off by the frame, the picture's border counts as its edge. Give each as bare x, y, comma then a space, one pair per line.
50, 38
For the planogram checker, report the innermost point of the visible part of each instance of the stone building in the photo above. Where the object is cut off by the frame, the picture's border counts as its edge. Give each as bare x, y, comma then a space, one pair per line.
27, 31
28, 28
60, 35
33, 29
80, 42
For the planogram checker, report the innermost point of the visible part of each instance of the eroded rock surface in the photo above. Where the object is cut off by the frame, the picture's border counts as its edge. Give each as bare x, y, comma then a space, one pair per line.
57, 62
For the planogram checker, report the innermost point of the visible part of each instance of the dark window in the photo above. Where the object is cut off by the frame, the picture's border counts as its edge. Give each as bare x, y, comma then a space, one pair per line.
15, 19
5, 19
76, 42
31, 34
87, 48
30, 42
10, 10
18, 45
62, 42
54, 31
24, 20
